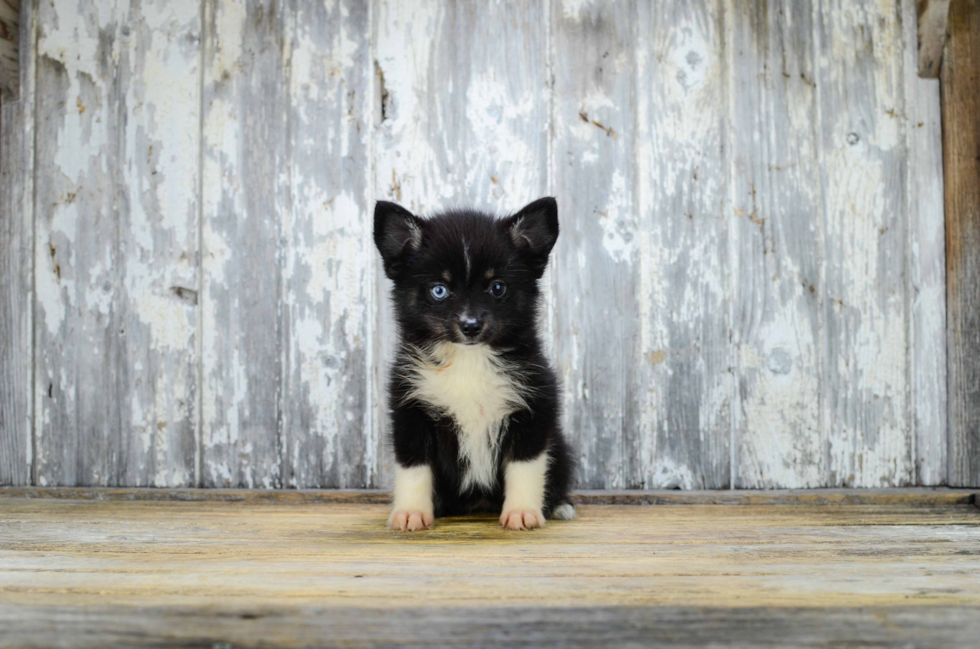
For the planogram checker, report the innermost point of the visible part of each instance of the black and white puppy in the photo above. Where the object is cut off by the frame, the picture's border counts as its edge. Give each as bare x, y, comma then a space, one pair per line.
474, 404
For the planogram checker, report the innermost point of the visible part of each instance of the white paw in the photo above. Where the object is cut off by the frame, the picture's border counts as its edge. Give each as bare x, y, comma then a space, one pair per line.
410, 521
522, 519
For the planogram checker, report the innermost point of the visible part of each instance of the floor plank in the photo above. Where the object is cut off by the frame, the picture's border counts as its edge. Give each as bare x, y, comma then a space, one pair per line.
171, 573
668, 626
888, 496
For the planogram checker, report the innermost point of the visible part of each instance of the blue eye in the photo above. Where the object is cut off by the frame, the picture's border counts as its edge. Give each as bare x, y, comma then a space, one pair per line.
439, 292
498, 288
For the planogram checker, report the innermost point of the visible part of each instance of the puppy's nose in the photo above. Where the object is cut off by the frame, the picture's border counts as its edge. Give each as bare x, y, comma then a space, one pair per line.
470, 327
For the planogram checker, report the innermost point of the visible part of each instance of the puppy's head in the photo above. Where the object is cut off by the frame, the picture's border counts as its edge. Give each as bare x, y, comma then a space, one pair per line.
466, 277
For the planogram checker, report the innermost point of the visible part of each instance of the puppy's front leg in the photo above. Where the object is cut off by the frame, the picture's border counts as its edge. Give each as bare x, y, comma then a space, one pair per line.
412, 509
524, 483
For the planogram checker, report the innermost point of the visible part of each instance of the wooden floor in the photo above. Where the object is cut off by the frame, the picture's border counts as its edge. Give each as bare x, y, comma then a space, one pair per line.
103, 568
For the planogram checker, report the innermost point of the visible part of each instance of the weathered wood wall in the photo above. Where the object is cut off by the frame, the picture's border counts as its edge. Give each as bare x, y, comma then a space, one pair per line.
748, 292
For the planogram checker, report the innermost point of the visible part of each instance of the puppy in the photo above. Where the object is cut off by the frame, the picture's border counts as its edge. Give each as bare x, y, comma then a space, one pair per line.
474, 403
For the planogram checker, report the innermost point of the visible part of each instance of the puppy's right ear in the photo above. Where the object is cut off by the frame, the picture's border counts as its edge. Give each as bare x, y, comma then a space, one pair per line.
397, 234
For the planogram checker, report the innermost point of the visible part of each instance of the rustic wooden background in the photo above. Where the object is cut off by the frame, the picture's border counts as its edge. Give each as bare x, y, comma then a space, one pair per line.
748, 291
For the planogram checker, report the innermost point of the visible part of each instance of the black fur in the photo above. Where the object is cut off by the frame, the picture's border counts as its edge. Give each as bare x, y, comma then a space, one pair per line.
416, 254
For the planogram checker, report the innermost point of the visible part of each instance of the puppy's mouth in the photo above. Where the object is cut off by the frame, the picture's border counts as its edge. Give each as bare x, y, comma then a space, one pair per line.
461, 339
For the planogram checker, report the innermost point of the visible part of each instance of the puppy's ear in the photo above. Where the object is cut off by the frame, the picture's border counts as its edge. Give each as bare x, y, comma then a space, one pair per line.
397, 234
534, 230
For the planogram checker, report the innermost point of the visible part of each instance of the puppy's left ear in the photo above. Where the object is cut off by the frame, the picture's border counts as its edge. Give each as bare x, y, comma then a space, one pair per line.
534, 230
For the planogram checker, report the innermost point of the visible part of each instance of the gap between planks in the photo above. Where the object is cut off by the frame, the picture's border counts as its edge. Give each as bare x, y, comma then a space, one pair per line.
912, 496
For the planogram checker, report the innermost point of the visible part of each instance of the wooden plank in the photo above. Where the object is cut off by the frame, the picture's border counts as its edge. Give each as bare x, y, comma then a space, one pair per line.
252, 496
463, 120
116, 242
329, 254
867, 399
662, 626
464, 105
926, 275
931, 32
11, 35
780, 439
17, 271
221, 556
595, 260
675, 341
293, 402
245, 195
961, 142
907, 496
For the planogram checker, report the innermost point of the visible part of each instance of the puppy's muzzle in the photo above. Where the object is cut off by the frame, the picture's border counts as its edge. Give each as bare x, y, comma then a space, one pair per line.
470, 327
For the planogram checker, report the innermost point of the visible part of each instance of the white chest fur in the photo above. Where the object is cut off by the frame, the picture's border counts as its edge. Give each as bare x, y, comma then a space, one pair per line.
478, 390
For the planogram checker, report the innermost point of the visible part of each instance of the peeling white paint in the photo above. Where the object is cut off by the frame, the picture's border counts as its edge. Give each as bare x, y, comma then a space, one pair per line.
572, 9
694, 329
617, 220
667, 474
118, 231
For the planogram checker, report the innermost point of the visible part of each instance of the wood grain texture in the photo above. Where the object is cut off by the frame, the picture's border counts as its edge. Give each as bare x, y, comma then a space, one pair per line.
662, 626
926, 275
594, 263
908, 496
961, 164
245, 197
11, 36
328, 261
931, 33
780, 438
115, 249
463, 121
866, 304
288, 258
855, 566
17, 271
464, 112
676, 336
224, 556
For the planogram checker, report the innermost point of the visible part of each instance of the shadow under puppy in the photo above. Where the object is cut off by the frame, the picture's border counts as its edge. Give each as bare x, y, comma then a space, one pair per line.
474, 403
